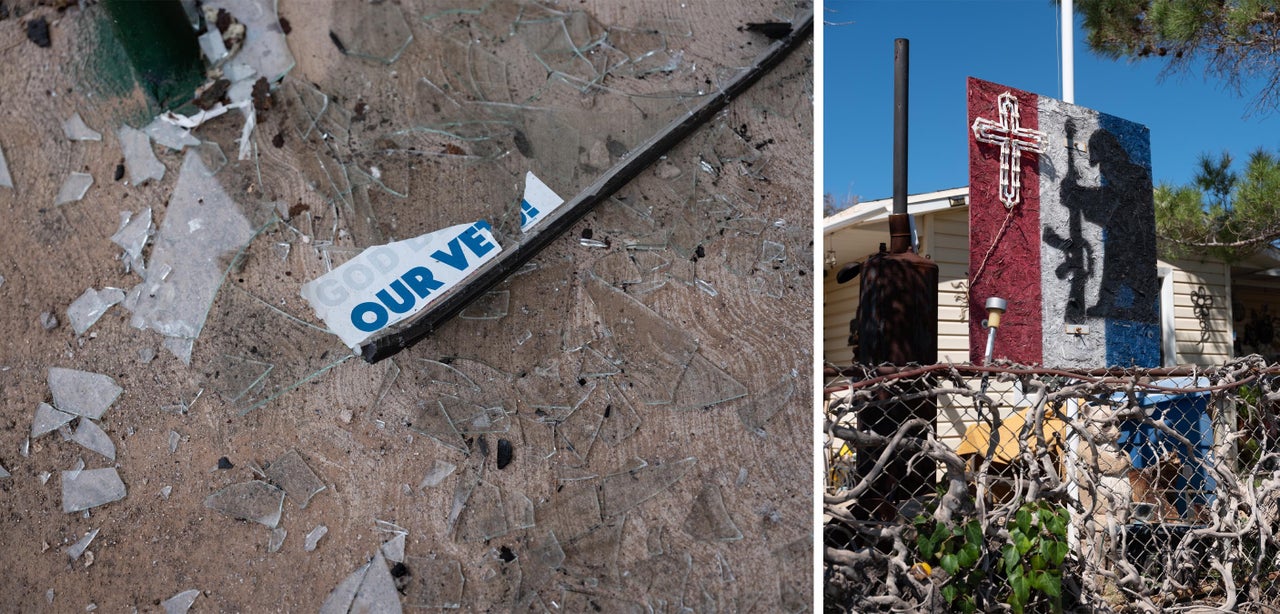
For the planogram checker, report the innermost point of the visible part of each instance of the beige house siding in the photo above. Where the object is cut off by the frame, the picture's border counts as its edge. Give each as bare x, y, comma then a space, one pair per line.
839, 304
948, 246
1202, 312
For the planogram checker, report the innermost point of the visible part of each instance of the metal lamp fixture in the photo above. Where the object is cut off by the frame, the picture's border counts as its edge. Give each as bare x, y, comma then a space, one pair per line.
996, 307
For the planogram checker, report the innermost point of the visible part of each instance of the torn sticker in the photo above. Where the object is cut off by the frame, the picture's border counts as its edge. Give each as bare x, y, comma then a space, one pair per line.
389, 283
539, 201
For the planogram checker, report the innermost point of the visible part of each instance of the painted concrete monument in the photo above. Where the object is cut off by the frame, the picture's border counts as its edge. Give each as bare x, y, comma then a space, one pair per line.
1062, 226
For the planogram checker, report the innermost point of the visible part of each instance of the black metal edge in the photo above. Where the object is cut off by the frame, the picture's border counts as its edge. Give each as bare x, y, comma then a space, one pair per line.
510, 260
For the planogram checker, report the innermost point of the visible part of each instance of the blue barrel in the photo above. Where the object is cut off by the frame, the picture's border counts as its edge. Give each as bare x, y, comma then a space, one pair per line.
1188, 415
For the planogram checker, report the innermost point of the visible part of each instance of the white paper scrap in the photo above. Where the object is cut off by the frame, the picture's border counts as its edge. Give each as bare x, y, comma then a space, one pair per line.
539, 201
386, 284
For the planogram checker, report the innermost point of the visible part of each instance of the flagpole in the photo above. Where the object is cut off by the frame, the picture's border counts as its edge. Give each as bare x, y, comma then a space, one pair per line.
1073, 407
1068, 52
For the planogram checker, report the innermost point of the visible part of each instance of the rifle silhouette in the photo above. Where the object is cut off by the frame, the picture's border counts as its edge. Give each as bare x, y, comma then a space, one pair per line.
1078, 254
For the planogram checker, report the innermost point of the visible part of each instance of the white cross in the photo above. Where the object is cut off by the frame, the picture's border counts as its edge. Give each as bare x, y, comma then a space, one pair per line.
1013, 140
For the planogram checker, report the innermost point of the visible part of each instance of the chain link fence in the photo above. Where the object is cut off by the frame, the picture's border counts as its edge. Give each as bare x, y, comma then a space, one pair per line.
1008, 488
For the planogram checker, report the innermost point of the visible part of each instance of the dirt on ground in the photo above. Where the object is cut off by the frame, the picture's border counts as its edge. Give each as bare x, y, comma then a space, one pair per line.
625, 424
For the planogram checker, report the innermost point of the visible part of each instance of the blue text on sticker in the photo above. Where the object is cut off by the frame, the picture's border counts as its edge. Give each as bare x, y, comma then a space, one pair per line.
387, 283
371, 316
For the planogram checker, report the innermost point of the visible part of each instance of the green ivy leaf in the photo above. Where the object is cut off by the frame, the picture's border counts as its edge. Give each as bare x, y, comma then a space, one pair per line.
1022, 543
949, 592
969, 554
1011, 559
1037, 562
1021, 592
950, 563
1057, 524
1051, 584
1023, 521
967, 605
973, 532
1056, 552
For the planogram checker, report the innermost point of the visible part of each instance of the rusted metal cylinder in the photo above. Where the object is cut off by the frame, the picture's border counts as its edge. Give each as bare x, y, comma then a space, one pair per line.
897, 324
898, 304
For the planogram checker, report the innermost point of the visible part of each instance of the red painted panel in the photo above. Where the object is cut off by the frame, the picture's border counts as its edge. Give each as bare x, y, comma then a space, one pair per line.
1008, 242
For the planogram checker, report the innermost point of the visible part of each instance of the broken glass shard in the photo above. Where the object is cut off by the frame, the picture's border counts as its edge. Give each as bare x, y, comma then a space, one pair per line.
755, 413
577, 433
255, 500
426, 416
165, 492
624, 490
265, 47
593, 556
180, 603
393, 548
440, 470
793, 561
491, 305
91, 436
90, 306
389, 527
88, 488
82, 393
212, 157
6, 180
48, 419
73, 188
48, 321
549, 553
434, 582
299, 352
377, 592
703, 384
180, 347
213, 47
75, 471
373, 31
595, 364
340, 598
483, 517
169, 134
75, 550
708, 520
238, 376
653, 541
313, 537
277, 539
139, 158
4, 473
471, 418
620, 419
291, 473
653, 351
132, 237
174, 438
572, 511
461, 494
201, 227
662, 579
76, 130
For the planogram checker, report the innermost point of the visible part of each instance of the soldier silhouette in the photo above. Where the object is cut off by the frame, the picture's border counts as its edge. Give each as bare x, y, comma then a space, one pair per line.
1123, 207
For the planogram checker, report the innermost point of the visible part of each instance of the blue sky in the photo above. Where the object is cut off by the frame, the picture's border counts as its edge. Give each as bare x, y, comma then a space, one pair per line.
1011, 42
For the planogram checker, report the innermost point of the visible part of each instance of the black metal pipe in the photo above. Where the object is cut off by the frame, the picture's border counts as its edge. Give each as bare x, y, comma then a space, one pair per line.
901, 72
